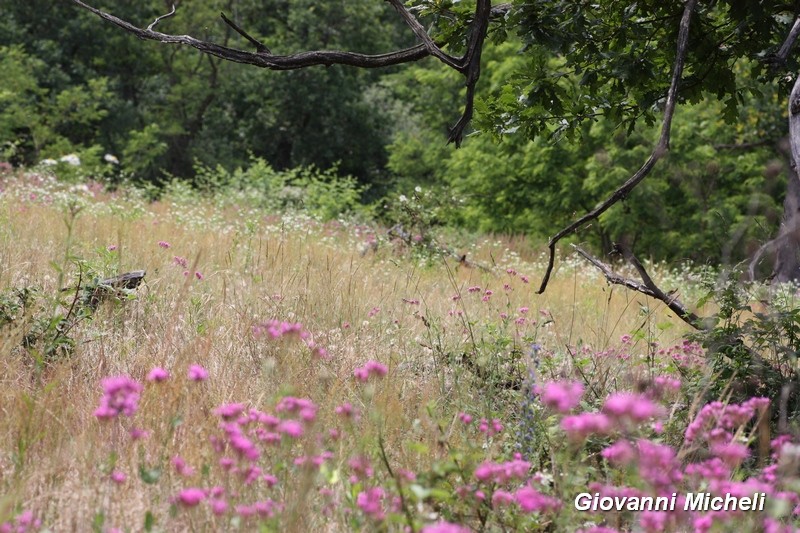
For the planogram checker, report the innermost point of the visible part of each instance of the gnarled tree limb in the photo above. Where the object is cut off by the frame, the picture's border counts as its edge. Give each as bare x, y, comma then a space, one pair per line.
661, 148
468, 65
648, 287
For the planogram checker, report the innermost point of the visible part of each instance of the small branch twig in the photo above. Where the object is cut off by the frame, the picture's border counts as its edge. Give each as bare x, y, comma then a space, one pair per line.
159, 19
661, 148
423, 36
261, 48
648, 287
786, 47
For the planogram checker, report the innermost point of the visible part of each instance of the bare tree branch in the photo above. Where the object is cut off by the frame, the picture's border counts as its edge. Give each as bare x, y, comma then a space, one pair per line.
159, 19
468, 65
661, 148
787, 45
648, 287
472, 66
261, 48
269, 61
423, 36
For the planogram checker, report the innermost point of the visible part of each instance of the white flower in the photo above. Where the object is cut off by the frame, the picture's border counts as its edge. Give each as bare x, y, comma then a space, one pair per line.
71, 159
418, 189
110, 158
48, 162
403, 198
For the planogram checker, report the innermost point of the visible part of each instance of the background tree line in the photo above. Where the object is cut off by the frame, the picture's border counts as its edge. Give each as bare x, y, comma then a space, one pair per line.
73, 85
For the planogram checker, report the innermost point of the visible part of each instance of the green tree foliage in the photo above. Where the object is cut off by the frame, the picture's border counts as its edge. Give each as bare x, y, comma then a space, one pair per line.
166, 108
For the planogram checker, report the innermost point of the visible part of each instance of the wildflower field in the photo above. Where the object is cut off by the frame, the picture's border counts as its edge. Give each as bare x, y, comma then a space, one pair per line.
274, 372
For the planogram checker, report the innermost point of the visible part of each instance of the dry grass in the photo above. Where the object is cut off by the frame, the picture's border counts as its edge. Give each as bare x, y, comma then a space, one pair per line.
55, 455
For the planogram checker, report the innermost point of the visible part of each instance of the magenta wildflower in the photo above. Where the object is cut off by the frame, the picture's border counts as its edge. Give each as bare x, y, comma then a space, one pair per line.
621, 452
181, 467
229, 410
158, 375
502, 498
370, 503
219, 507
180, 261
138, 433
111, 247
118, 477
197, 373
199, 276
190, 497
635, 407
293, 428
164, 244
371, 368
445, 527
530, 500
120, 396
581, 426
374, 311
465, 418
562, 396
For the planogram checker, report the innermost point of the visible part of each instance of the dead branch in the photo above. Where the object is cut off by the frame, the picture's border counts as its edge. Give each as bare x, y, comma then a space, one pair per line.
468, 65
648, 287
159, 19
423, 36
261, 48
661, 148
786, 47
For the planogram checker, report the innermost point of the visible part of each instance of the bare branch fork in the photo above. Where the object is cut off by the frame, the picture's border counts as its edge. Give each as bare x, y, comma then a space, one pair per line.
468, 65
647, 287
661, 148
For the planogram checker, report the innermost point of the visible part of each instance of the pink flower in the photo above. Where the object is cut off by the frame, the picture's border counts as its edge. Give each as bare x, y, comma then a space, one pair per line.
197, 373
732, 453
371, 368
621, 452
530, 500
199, 276
374, 311
219, 507
293, 428
369, 501
158, 375
465, 418
120, 396
111, 247
582, 425
118, 477
181, 467
138, 433
445, 527
562, 396
635, 407
164, 244
229, 410
180, 261
190, 497
502, 498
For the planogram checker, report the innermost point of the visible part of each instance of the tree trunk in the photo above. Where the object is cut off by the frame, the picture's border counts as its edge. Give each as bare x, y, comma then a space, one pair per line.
787, 259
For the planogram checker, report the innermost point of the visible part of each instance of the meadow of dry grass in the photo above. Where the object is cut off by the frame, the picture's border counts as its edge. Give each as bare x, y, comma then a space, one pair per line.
56, 456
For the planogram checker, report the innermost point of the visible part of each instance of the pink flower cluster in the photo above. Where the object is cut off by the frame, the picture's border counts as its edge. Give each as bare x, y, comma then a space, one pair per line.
562, 396
120, 396
24, 522
277, 329
716, 421
489, 472
631, 407
371, 368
